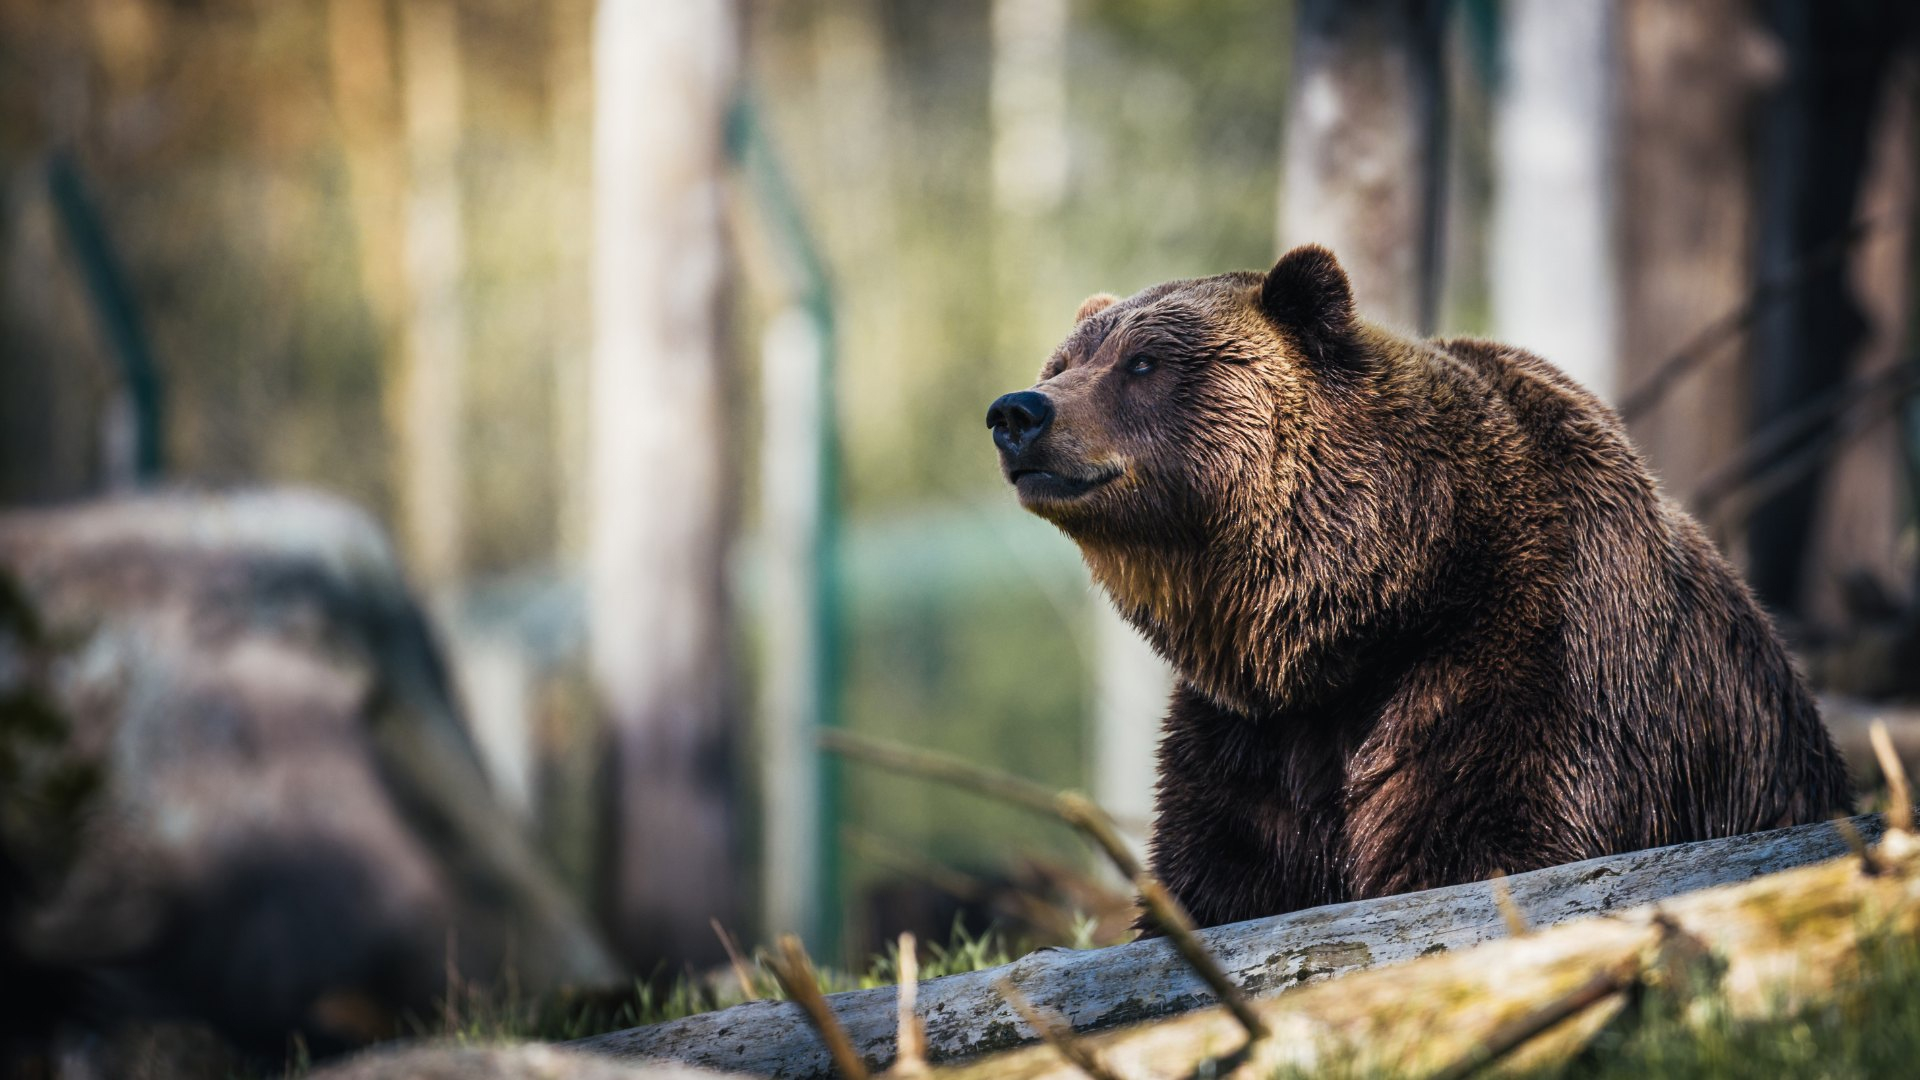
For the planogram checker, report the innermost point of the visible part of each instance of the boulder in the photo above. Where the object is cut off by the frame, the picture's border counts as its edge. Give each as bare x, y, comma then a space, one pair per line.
235, 784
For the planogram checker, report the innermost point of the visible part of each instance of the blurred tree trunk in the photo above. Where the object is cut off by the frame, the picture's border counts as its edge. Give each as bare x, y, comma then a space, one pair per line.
56, 376
569, 312
661, 476
1866, 503
401, 142
1362, 161
1552, 266
1817, 133
1690, 75
430, 382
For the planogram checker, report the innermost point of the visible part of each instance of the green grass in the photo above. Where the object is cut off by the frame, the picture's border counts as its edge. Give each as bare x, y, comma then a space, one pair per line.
474, 1016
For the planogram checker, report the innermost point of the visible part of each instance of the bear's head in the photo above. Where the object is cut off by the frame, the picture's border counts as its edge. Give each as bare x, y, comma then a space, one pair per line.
1234, 455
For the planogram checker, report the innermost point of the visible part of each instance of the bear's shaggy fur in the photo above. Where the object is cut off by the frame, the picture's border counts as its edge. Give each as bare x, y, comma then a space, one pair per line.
1432, 617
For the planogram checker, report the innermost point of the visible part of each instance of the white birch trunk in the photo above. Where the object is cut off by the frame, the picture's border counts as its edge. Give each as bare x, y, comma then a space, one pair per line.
664, 76
1552, 266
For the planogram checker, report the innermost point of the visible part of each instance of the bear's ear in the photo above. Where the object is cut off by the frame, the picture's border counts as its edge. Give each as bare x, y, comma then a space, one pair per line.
1094, 305
1308, 298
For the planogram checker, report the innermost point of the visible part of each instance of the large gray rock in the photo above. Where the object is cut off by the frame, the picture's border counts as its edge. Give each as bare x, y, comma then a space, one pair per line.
234, 783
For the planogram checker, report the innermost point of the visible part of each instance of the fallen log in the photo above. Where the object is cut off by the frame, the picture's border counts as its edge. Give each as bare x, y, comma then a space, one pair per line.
1764, 948
1092, 990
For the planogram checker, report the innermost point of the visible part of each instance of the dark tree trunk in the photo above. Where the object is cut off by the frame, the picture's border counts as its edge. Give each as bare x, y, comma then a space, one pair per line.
1814, 143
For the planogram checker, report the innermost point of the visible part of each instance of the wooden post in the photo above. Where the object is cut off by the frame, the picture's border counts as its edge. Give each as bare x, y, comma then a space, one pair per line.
1362, 163
1552, 252
1816, 136
1867, 503
661, 477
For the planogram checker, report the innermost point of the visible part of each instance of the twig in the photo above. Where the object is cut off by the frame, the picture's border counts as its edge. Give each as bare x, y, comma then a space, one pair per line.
911, 1057
1057, 1032
1761, 490
1509, 911
1900, 812
1083, 814
795, 973
735, 960
1781, 433
1173, 919
942, 767
1070, 807
1698, 348
1510, 1036
1087, 816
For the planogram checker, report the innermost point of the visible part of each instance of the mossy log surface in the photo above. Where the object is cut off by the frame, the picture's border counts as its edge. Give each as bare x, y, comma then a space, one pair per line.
1772, 945
1101, 989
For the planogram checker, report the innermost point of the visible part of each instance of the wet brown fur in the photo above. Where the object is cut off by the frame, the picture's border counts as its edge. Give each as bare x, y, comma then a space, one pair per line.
1432, 617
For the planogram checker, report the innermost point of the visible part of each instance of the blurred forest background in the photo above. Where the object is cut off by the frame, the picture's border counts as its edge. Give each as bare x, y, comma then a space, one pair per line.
659, 335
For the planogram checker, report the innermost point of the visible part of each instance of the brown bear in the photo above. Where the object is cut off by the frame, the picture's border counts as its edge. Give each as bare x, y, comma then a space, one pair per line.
1431, 616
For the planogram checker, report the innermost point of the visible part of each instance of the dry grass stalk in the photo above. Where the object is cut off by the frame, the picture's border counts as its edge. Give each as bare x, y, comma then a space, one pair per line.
1869, 862
1900, 796
795, 973
1509, 911
910, 1059
1056, 1031
741, 973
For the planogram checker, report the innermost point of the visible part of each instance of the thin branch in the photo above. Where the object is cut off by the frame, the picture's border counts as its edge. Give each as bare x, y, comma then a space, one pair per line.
1900, 811
736, 961
1516, 1033
1083, 814
1173, 919
1728, 327
945, 768
1763, 489
1057, 1032
1780, 435
1070, 807
795, 973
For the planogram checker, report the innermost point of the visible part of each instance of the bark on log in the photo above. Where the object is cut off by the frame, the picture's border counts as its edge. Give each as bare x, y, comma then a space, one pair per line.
965, 1015
1772, 945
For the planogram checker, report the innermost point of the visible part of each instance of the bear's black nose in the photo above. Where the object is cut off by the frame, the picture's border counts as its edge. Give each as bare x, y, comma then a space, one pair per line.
1017, 419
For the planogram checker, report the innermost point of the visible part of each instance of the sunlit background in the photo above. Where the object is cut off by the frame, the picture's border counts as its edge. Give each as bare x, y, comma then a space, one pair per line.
658, 337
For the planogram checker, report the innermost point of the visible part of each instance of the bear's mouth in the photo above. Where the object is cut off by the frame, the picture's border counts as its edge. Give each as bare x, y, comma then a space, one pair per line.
1053, 486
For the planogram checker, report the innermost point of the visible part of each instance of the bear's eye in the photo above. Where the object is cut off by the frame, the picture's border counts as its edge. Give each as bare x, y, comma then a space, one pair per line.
1140, 365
